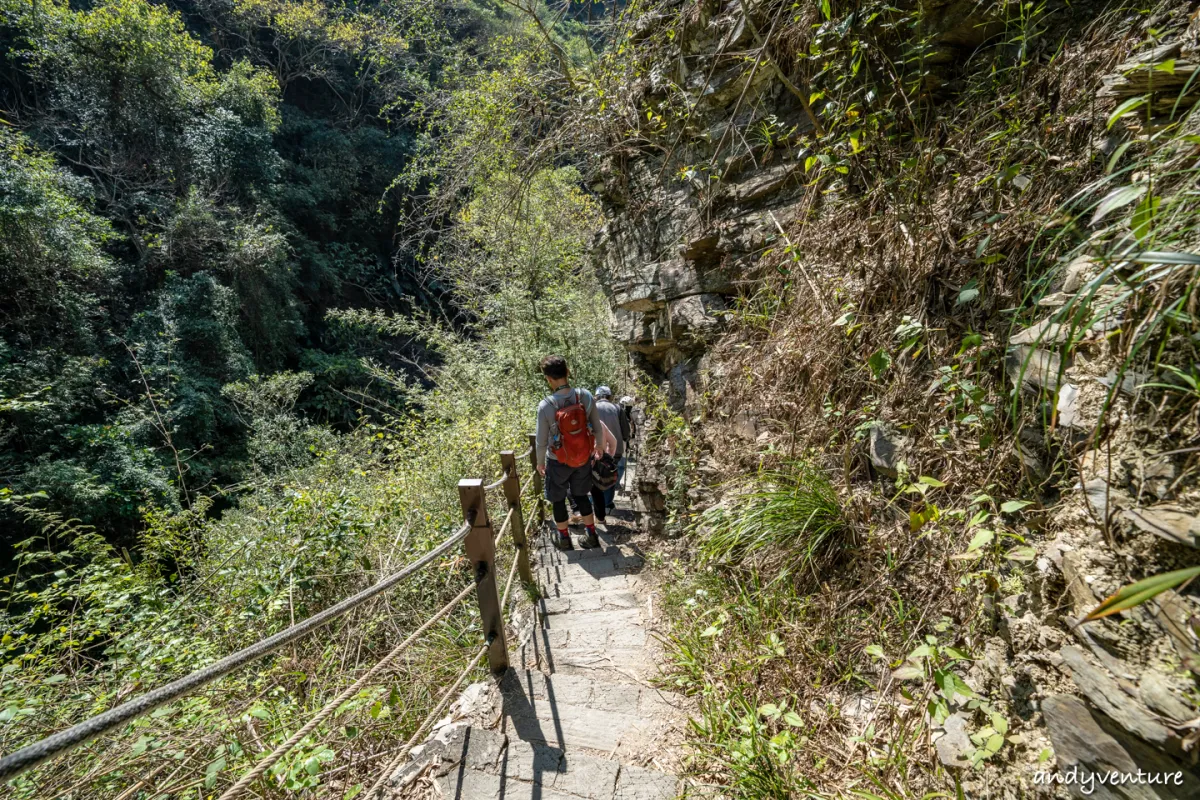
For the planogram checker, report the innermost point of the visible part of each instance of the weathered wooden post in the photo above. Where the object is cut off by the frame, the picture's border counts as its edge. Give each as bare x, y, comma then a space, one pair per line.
512, 493
539, 495
481, 553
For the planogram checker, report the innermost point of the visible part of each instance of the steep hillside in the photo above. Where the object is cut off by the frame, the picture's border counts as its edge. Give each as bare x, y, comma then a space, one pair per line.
913, 292
257, 323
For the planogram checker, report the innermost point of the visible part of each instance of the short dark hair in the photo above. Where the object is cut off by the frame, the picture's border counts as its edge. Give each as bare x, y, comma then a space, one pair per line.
554, 367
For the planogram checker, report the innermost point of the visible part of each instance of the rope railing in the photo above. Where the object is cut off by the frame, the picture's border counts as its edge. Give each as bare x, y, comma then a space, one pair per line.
424, 727
508, 518
34, 754
327, 710
394, 764
480, 553
512, 573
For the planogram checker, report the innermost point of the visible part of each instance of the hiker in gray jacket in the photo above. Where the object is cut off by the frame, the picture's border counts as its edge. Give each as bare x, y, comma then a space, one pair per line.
564, 455
613, 418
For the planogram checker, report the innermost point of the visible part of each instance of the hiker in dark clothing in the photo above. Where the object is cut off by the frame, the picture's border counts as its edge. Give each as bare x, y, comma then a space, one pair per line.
615, 420
569, 434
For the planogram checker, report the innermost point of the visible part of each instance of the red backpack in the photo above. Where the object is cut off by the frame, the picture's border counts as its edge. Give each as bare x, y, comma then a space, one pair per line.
571, 440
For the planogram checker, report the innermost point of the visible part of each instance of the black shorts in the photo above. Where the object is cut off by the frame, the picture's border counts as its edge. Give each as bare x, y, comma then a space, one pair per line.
562, 480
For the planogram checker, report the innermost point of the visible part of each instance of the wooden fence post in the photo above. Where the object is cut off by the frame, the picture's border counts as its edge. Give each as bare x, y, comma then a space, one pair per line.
512, 493
539, 495
481, 553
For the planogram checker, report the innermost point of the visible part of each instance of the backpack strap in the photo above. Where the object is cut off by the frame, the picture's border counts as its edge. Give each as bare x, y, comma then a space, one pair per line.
554, 400
554, 432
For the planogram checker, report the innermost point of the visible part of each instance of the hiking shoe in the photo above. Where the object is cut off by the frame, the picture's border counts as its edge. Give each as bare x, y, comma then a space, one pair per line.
564, 542
592, 541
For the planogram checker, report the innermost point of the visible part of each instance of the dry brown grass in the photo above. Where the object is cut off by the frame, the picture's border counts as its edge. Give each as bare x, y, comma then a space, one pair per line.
885, 254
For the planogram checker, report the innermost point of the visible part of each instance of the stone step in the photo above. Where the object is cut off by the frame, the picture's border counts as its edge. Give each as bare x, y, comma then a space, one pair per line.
593, 575
615, 665
598, 568
599, 630
575, 713
634, 698
621, 555
614, 600
629, 664
470, 763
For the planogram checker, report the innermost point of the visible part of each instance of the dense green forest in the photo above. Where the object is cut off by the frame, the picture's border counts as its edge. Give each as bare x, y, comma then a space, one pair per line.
907, 292
274, 282
188, 189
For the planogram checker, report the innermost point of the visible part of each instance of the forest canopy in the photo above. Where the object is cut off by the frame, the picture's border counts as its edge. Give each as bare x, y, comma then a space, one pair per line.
258, 320
187, 189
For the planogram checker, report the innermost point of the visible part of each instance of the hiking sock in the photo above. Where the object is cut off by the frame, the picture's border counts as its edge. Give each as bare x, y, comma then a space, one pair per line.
591, 529
564, 533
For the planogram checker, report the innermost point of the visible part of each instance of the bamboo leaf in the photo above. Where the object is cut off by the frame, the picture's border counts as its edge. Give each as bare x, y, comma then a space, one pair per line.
1137, 593
1123, 109
1118, 198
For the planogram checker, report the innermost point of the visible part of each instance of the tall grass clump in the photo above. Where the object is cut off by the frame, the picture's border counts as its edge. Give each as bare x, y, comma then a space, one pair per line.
794, 513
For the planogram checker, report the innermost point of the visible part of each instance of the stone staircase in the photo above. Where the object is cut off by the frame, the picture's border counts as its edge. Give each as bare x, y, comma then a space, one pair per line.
576, 716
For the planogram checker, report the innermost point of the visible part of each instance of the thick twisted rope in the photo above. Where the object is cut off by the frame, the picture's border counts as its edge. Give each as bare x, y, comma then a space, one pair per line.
512, 571
504, 528
34, 754
426, 725
279, 752
392, 766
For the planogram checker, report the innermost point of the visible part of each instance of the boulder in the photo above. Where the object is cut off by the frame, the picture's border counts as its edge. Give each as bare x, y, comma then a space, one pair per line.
1084, 749
888, 448
1107, 695
954, 745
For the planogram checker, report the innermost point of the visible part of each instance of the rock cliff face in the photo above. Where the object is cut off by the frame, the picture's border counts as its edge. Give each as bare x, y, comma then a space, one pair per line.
678, 238
686, 225
700, 217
